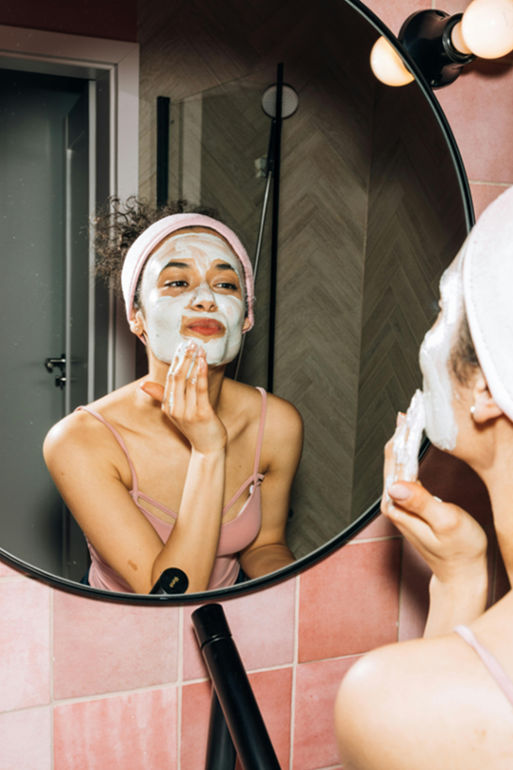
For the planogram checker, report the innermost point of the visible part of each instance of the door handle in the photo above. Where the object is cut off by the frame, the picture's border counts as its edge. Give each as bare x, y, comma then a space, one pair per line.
51, 362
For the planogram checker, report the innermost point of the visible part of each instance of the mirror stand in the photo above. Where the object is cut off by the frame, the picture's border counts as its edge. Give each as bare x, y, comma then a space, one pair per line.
234, 715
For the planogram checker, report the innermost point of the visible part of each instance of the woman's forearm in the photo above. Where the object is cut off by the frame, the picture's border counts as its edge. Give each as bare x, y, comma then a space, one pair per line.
192, 544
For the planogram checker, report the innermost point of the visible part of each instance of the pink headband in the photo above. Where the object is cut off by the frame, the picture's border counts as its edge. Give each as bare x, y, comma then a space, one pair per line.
149, 239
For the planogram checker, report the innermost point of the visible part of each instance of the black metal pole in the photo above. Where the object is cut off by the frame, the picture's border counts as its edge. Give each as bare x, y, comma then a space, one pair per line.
276, 154
163, 103
240, 709
221, 754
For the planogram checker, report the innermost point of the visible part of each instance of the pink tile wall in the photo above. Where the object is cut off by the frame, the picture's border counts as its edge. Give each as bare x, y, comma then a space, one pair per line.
98, 685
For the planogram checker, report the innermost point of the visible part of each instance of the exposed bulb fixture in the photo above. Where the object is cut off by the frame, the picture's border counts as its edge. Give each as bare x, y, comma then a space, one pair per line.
441, 45
387, 64
487, 28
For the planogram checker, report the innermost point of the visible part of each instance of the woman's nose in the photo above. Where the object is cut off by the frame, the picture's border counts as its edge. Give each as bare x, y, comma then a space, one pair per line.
204, 299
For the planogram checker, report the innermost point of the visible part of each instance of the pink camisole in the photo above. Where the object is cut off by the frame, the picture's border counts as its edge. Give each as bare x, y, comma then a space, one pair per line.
235, 535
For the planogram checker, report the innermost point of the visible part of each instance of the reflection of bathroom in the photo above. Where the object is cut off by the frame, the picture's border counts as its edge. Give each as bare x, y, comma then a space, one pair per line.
124, 685
336, 309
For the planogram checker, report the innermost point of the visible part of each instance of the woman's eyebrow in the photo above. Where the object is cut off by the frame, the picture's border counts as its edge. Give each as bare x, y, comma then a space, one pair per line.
225, 266
174, 263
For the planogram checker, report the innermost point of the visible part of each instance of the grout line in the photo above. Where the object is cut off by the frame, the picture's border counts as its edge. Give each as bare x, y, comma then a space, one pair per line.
490, 184
51, 662
107, 695
179, 685
294, 674
381, 538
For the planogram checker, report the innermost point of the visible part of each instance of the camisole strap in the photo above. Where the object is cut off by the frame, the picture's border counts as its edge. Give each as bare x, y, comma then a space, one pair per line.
260, 431
120, 441
489, 660
258, 449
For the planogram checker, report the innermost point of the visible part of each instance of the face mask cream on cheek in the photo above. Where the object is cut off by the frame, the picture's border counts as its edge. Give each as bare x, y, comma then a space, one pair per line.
434, 359
213, 320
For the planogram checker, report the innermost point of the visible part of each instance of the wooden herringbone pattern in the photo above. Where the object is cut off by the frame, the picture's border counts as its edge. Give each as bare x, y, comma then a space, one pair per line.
353, 301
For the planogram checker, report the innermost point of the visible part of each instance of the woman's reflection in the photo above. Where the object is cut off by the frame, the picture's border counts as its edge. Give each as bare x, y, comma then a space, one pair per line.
184, 468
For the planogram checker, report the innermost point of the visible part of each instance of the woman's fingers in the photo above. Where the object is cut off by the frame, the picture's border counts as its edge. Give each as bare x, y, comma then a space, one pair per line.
390, 469
202, 396
176, 382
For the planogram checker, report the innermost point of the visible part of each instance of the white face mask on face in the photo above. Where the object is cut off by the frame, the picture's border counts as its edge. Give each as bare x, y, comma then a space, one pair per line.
198, 306
434, 356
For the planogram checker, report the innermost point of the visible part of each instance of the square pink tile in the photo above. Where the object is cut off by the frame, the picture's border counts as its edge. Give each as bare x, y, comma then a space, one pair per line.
127, 731
262, 626
25, 644
104, 647
484, 194
478, 107
378, 527
273, 692
394, 12
195, 718
349, 602
6, 571
26, 739
314, 730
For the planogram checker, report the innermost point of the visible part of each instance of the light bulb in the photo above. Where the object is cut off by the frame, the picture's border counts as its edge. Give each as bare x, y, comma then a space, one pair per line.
387, 65
487, 27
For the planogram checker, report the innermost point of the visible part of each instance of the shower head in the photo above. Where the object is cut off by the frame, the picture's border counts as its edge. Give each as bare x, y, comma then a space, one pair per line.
289, 101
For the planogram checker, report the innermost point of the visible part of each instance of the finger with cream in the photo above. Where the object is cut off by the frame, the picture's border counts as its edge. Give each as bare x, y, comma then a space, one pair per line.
407, 440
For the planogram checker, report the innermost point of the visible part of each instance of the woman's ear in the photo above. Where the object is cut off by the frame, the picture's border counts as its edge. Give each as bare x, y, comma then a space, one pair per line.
484, 407
246, 325
136, 324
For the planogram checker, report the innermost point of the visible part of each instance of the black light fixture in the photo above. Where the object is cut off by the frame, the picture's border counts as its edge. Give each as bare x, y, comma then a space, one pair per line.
441, 44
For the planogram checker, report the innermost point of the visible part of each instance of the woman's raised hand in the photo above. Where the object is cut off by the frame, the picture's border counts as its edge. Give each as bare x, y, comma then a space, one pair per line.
185, 400
448, 538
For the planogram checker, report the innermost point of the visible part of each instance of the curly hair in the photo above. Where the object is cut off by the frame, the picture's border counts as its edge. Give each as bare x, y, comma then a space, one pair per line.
117, 225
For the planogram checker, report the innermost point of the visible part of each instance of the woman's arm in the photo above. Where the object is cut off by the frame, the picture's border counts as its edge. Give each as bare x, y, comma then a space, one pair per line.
92, 487
451, 542
192, 544
283, 442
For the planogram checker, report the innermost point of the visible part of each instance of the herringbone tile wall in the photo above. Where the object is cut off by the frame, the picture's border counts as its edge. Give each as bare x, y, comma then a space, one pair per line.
346, 339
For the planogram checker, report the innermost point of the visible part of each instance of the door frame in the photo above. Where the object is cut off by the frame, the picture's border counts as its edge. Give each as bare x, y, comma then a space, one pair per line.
80, 56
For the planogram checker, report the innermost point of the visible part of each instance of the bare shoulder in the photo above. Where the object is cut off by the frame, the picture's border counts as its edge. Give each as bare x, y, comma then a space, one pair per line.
283, 411
81, 437
423, 703
282, 417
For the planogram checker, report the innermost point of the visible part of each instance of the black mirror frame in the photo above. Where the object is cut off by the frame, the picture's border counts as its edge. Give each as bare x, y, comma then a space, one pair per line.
365, 518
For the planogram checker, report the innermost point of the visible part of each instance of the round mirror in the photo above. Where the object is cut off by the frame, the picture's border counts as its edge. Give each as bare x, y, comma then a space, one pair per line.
373, 204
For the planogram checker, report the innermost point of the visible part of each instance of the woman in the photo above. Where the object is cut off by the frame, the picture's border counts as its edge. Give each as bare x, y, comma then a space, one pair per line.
446, 701
184, 468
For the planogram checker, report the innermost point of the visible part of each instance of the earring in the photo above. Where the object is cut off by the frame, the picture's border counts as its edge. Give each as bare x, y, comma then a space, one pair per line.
473, 411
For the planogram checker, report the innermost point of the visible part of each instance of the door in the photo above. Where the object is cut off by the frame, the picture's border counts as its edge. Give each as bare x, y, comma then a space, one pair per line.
46, 296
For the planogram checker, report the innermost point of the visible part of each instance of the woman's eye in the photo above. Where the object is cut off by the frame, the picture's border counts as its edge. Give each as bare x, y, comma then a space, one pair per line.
175, 284
226, 285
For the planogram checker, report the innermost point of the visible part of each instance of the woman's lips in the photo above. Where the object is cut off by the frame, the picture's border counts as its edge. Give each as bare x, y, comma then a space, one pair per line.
205, 327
